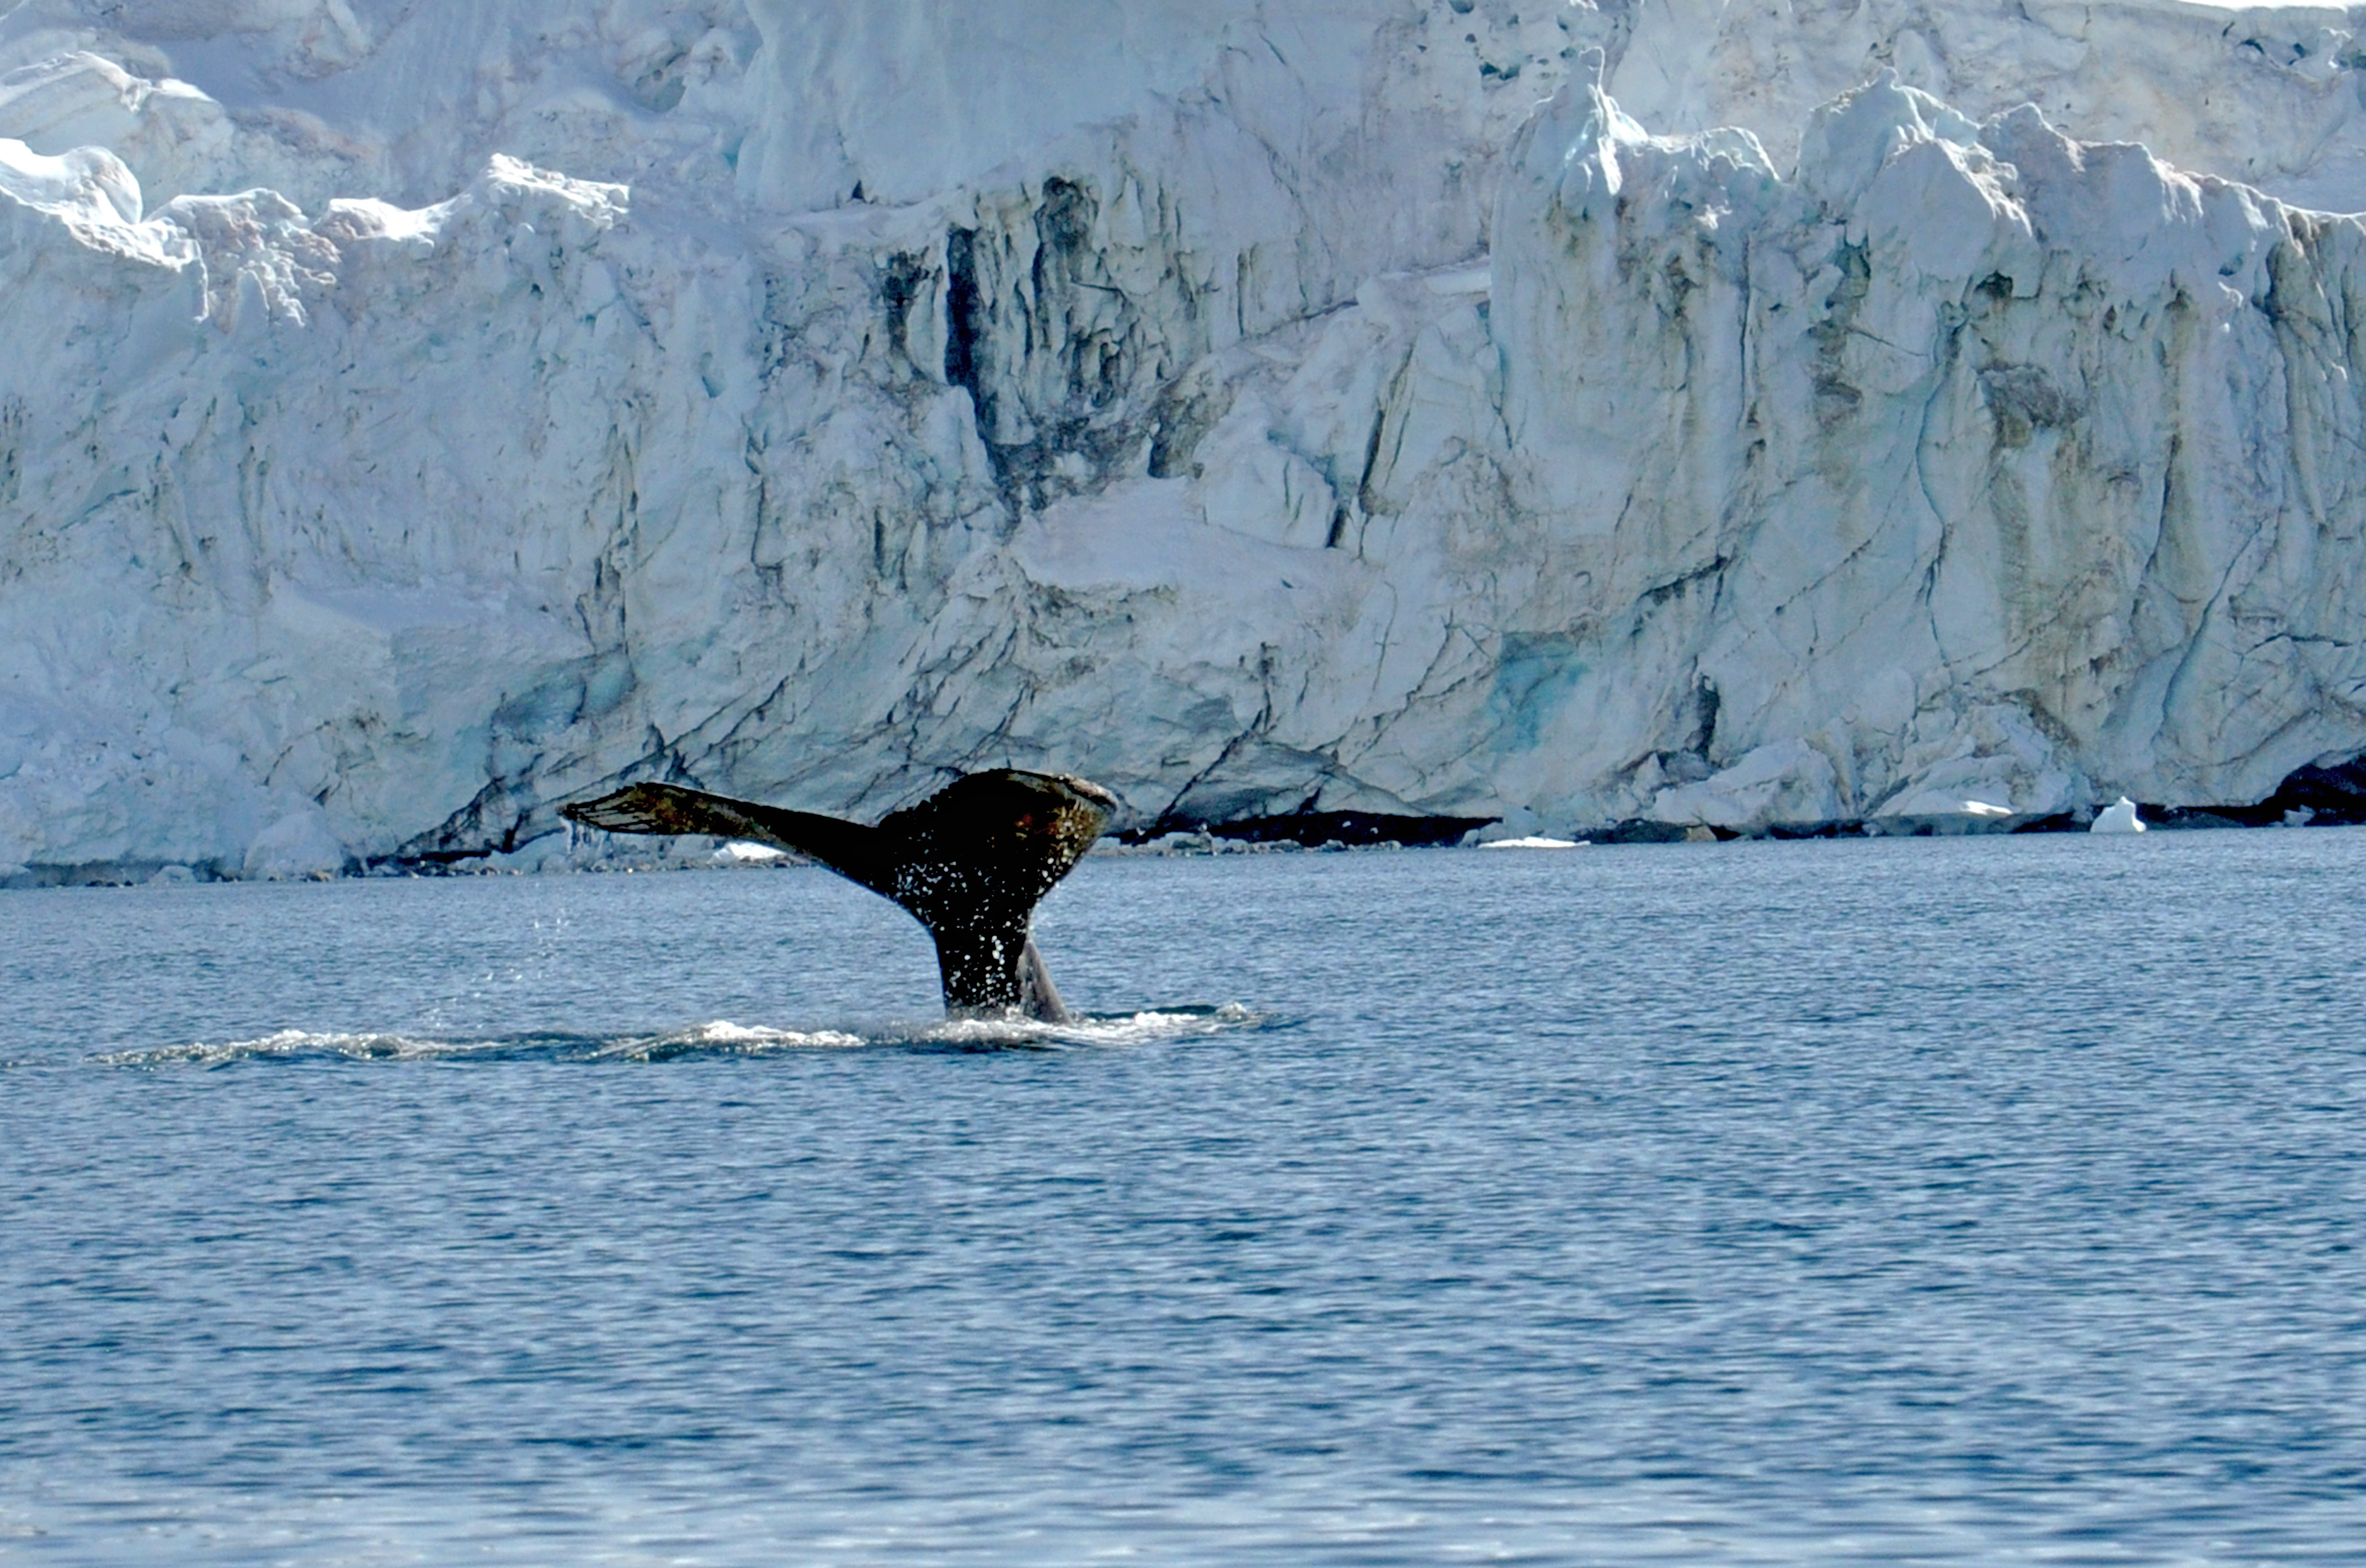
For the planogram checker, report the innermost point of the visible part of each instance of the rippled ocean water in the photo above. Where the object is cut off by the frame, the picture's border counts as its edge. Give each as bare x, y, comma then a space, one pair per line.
1952, 1202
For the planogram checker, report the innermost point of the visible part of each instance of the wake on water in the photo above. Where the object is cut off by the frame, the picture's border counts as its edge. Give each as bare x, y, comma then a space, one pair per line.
716, 1040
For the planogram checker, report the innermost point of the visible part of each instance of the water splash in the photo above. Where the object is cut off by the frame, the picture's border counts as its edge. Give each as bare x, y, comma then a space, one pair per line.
718, 1039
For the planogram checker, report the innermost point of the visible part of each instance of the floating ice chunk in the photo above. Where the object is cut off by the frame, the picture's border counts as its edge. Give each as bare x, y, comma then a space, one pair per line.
2118, 817
1534, 843
741, 852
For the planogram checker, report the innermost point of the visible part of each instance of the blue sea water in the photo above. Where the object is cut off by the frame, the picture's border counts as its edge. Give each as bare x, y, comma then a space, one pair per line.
1923, 1201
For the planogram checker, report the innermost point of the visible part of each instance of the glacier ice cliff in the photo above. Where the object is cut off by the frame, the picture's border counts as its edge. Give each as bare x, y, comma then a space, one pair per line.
412, 417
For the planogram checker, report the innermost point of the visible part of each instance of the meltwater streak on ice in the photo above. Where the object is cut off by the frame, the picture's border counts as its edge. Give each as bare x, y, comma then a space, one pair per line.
721, 1038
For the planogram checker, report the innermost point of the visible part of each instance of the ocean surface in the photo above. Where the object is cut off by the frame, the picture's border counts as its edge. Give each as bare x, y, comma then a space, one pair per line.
1883, 1202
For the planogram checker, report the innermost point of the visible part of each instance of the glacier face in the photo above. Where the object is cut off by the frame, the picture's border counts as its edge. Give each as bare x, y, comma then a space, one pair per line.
413, 417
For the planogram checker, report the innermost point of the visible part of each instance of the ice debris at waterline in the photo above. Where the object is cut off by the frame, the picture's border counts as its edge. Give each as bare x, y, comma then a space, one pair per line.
2120, 817
1385, 408
1532, 842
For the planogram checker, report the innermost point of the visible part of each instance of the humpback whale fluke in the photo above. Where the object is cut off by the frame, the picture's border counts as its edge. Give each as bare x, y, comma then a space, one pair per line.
970, 863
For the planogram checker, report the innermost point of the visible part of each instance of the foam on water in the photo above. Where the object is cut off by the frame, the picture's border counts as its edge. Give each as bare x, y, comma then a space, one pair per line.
717, 1038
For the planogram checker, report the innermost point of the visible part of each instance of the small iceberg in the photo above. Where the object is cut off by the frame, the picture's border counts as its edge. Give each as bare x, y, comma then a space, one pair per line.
740, 851
1535, 844
2119, 818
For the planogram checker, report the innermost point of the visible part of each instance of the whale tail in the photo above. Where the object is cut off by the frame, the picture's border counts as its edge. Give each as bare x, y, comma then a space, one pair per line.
970, 863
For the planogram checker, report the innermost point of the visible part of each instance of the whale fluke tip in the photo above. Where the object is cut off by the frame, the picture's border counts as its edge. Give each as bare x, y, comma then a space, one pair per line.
639, 809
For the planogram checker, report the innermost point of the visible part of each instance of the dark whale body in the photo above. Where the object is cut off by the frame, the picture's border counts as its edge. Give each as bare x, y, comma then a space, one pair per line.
970, 863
